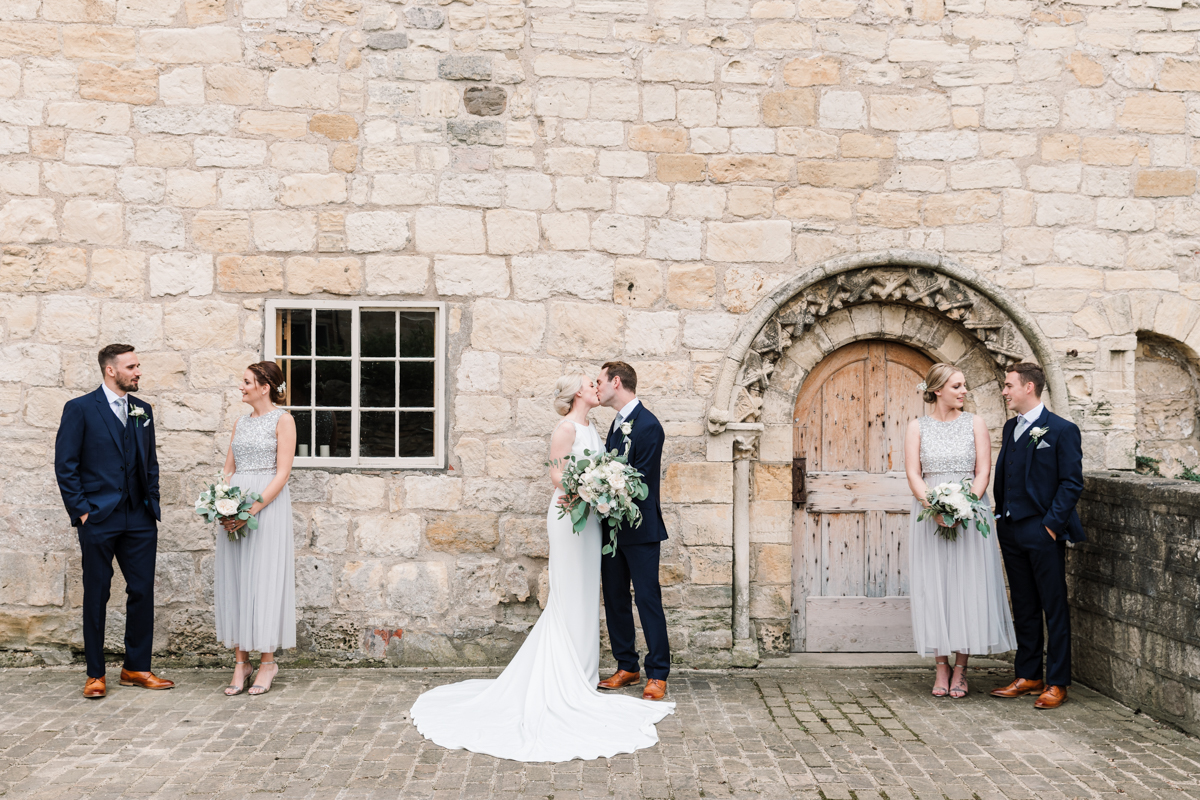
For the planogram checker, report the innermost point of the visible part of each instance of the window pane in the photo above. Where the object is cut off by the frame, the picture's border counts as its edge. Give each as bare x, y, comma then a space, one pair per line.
333, 383
378, 331
295, 331
303, 433
416, 334
297, 374
377, 384
416, 384
333, 432
416, 434
377, 434
333, 332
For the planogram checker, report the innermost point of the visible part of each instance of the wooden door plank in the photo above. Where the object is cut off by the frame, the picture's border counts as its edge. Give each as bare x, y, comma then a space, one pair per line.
842, 554
859, 624
904, 404
842, 426
876, 408
857, 491
875, 549
898, 529
806, 570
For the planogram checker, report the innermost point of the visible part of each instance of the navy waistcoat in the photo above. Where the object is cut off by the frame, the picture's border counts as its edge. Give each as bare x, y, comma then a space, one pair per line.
1018, 504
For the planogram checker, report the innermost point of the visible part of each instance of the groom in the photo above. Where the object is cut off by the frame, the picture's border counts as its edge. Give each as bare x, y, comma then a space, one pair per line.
107, 470
636, 558
1039, 477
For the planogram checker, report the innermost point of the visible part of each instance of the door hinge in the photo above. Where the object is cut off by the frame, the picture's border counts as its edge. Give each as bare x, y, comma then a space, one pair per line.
799, 492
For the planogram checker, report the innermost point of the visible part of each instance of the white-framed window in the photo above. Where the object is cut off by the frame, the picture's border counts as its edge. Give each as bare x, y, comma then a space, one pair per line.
365, 380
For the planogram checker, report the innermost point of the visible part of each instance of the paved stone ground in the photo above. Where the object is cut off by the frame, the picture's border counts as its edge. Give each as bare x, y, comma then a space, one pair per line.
835, 734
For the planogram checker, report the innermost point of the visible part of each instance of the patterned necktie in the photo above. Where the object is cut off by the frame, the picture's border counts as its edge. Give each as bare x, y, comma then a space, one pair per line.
1022, 424
122, 410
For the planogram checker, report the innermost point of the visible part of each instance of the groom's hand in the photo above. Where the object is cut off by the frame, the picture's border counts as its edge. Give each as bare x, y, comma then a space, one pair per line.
1052, 534
568, 501
83, 519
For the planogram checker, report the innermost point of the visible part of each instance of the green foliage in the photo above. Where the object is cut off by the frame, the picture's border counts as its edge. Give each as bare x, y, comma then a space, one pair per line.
1189, 474
1148, 466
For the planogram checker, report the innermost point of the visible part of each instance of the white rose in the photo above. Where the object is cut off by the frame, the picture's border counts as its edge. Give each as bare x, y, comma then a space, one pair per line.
227, 507
586, 493
618, 481
603, 508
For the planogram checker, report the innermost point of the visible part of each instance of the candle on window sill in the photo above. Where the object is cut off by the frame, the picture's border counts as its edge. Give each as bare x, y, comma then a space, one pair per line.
303, 450
324, 451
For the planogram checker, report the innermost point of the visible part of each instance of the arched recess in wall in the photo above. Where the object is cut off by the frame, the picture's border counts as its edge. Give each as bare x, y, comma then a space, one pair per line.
923, 300
1167, 388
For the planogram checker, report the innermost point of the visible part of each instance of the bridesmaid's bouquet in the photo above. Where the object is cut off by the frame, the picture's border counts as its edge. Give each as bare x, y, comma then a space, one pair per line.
221, 501
603, 483
957, 504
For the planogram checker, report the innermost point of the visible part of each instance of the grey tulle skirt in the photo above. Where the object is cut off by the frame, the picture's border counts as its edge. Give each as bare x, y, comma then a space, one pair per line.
255, 582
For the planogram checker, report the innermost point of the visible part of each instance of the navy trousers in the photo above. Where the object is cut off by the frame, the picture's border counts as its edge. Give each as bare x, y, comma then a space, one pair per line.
1037, 580
130, 534
636, 564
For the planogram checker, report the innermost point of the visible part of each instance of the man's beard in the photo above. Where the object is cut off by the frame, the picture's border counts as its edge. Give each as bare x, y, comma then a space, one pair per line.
127, 384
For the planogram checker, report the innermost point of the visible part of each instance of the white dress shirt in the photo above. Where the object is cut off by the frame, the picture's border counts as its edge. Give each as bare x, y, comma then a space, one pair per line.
625, 411
1029, 418
118, 403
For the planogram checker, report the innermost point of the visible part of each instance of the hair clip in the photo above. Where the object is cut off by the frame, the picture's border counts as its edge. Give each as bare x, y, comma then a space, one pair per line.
282, 386
922, 386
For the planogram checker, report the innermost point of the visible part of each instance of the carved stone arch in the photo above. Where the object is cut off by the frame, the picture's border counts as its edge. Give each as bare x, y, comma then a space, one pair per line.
955, 293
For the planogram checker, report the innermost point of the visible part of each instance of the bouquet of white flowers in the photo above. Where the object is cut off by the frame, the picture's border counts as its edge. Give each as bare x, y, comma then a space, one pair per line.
222, 501
606, 484
956, 504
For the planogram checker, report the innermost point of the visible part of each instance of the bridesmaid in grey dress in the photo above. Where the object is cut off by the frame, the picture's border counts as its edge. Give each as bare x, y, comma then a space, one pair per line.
959, 604
255, 587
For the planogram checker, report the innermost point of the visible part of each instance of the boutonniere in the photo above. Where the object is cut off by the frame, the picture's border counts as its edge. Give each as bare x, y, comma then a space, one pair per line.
626, 428
138, 414
1035, 436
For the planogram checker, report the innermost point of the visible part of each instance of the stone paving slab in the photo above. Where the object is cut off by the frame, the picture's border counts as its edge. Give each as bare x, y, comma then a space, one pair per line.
836, 734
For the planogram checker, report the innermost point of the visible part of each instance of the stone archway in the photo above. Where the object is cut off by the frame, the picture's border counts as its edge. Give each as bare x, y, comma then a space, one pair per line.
923, 299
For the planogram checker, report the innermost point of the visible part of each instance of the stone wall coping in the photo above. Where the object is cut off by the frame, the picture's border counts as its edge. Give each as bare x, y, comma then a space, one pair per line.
1182, 496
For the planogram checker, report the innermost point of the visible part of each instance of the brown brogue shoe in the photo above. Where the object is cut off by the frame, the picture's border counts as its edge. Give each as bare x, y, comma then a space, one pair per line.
1053, 697
620, 678
94, 688
146, 680
655, 689
1019, 688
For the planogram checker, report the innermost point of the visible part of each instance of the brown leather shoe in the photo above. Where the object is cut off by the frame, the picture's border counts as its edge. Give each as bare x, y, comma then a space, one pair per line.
146, 680
1053, 697
94, 688
620, 678
1019, 688
655, 689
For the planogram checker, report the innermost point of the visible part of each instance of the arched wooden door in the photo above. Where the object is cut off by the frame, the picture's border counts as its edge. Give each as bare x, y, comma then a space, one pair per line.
850, 531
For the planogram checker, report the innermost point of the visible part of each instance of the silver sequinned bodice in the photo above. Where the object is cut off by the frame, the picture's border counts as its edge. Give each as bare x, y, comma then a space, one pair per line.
255, 445
948, 448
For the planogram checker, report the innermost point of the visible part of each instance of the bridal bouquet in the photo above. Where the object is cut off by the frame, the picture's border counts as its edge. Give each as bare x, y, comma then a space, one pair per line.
606, 484
956, 504
222, 501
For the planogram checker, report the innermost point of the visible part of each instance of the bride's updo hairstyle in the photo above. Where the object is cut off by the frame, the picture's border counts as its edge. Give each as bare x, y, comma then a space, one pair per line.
936, 378
564, 393
268, 373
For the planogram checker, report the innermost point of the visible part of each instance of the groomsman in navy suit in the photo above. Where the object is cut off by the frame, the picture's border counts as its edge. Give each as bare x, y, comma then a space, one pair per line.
107, 470
636, 559
1039, 477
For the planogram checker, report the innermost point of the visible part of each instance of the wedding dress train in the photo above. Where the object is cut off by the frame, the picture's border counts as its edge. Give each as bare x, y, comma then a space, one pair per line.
545, 705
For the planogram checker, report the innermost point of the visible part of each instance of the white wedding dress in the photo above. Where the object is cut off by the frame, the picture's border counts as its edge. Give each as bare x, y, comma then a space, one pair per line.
545, 705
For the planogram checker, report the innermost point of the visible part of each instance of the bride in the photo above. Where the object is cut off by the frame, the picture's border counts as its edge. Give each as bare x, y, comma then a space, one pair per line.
545, 705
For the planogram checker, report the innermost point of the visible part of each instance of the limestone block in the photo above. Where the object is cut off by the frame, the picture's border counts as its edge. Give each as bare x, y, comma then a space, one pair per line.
614, 100
216, 44
110, 118
299, 157
30, 221
179, 273
397, 274
1064, 209
135, 323
529, 377
674, 240
19, 178
470, 276
528, 191
199, 324
449, 230
235, 86
470, 190
402, 190
909, 112
245, 189
99, 81
1123, 214
842, 174
388, 535
284, 230
470, 453
651, 333
670, 66
188, 189
583, 193
118, 273
98, 149
147, 12
803, 202
578, 330
1153, 113
1056, 178
985, 174
1019, 107
642, 199
588, 276
566, 231
33, 364
99, 43
221, 231
736, 169
790, 36
1028, 245
182, 87
619, 234
43, 406
889, 209
359, 491
74, 180
307, 275
511, 232
214, 151
463, 533
189, 412
565, 99
691, 285
517, 458
507, 326
698, 482
1089, 248
372, 231
705, 202
85, 220
637, 282
478, 372
142, 184
419, 589
1165, 183
1088, 108
284, 124
487, 414
749, 241
69, 320
180, 121
521, 536
961, 208
791, 107
713, 331
158, 227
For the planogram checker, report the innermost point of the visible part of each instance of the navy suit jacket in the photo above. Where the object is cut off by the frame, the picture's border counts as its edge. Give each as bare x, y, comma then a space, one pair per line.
1053, 474
645, 455
88, 457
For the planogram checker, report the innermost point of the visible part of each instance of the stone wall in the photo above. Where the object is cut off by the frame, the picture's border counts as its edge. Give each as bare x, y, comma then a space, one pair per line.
578, 180
1133, 590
